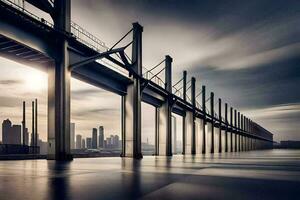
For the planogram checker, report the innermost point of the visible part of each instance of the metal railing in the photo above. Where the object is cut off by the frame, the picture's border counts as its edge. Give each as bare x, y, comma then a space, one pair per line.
150, 76
79, 33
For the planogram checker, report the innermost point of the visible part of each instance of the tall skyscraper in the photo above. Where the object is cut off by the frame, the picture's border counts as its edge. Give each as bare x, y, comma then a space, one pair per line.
101, 136
78, 141
11, 134
72, 135
89, 143
94, 139
6, 126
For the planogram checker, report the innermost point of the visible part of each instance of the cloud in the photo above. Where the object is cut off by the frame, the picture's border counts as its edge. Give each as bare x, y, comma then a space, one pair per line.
282, 119
11, 82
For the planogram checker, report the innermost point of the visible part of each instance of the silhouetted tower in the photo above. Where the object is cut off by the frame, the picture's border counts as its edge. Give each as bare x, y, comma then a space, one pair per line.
32, 124
36, 123
24, 125
94, 138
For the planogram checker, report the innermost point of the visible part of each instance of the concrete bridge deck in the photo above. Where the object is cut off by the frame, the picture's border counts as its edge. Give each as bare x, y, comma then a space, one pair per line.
269, 174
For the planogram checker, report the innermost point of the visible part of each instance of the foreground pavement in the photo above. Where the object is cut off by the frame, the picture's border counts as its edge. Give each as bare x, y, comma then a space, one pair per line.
270, 174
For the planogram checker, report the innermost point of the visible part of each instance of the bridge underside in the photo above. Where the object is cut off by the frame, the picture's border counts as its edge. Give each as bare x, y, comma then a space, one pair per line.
34, 43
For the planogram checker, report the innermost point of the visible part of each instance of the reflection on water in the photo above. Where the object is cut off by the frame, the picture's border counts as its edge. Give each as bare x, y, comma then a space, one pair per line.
125, 178
58, 181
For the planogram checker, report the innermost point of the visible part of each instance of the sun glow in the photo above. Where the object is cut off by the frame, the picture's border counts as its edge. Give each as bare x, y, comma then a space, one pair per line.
36, 80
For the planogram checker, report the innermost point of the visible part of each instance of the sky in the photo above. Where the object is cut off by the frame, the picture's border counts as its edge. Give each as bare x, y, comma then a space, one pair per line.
247, 52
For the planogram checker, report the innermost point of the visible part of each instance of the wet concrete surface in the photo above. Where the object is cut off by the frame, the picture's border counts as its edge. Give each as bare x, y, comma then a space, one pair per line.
269, 174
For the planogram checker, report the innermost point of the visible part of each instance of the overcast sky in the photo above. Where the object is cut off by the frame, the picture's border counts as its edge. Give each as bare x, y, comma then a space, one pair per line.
247, 52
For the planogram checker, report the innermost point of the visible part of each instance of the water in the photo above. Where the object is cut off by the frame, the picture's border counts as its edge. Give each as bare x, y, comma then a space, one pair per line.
270, 174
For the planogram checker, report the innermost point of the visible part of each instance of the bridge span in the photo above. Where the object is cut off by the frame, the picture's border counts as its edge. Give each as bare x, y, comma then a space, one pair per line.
63, 49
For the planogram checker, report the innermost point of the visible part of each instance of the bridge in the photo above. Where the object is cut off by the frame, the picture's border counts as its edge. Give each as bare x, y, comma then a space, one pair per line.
63, 49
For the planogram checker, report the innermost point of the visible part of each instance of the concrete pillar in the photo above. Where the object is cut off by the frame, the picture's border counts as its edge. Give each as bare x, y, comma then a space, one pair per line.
242, 130
204, 120
131, 102
188, 132
212, 123
165, 114
156, 152
239, 131
184, 117
236, 131
199, 135
193, 99
59, 77
231, 132
220, 127
226, 130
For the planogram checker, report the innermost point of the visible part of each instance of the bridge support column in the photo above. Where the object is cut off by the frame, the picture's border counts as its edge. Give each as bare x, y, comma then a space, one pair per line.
239, 132
231, 132
131, 102
165, 115
193, 100
204, 120
189, 124
236, 132
199, 135
211, 127
226, 130
59, 77
220, 127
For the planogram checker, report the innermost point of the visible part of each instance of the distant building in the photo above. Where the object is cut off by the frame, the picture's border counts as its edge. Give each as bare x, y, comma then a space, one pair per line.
43, 147
115, 141
88, 143
72, 135
78, 141
290, 144
11, 134
101, 136
112, 142
37, 139
26, 136
83, 144
94, 139
6, 126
